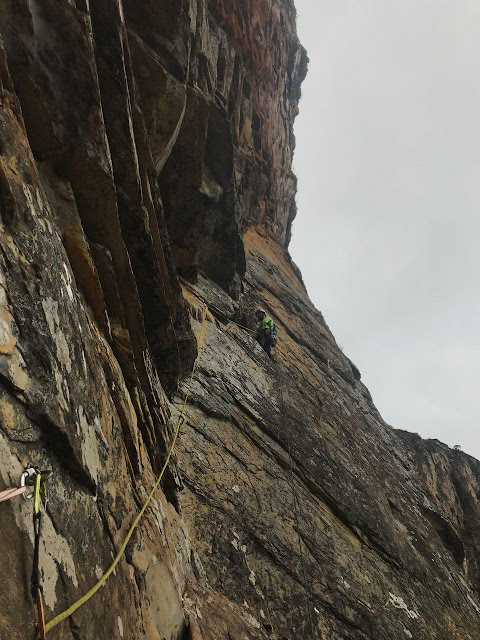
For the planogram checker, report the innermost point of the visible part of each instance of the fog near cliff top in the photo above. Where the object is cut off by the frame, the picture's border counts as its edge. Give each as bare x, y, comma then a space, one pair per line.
388, 227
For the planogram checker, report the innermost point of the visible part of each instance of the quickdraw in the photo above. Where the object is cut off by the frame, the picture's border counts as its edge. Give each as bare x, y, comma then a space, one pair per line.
36, 588
27, 479
34, 476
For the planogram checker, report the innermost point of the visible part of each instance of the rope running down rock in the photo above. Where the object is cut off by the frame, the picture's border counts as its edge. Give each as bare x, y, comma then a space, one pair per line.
81, 601
291, 480
295, 505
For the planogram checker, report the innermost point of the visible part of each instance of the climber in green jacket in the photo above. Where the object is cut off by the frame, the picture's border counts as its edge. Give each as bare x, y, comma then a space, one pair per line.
266, 331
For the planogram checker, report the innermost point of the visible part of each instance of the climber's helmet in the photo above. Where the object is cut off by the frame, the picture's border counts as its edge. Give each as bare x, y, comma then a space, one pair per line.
260, 313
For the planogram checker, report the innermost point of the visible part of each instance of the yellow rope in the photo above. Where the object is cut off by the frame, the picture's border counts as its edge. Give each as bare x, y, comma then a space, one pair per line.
36, 499
81, 601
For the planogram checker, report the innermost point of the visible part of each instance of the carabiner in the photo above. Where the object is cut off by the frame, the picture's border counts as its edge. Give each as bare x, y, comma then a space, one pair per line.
29, 473
29, 476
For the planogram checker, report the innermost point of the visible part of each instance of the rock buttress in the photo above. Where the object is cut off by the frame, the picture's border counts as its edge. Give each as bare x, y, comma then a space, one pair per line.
141, 141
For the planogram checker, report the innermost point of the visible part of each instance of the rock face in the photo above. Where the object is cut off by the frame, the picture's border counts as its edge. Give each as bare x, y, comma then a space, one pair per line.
145, 172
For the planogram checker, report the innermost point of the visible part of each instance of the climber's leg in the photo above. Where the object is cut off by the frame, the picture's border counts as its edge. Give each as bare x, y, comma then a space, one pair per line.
264, 340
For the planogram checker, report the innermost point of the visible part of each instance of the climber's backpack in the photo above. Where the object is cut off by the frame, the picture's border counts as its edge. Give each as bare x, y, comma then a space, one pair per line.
273, 335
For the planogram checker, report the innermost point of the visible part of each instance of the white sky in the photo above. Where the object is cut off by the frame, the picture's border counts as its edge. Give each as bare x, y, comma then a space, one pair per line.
388, 228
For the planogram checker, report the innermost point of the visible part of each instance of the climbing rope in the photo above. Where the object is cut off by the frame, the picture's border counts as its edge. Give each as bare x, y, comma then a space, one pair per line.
81, 601
36, 588
12, 492
296, 503
300, 544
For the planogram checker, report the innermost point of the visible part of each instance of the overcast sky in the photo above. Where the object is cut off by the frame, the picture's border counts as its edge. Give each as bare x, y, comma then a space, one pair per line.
388, 227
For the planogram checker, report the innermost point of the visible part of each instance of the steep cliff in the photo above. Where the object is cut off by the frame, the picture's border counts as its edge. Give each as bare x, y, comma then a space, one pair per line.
145, 184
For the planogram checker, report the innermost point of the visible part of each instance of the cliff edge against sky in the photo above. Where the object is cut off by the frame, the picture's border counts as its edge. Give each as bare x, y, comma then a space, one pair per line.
145, 172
